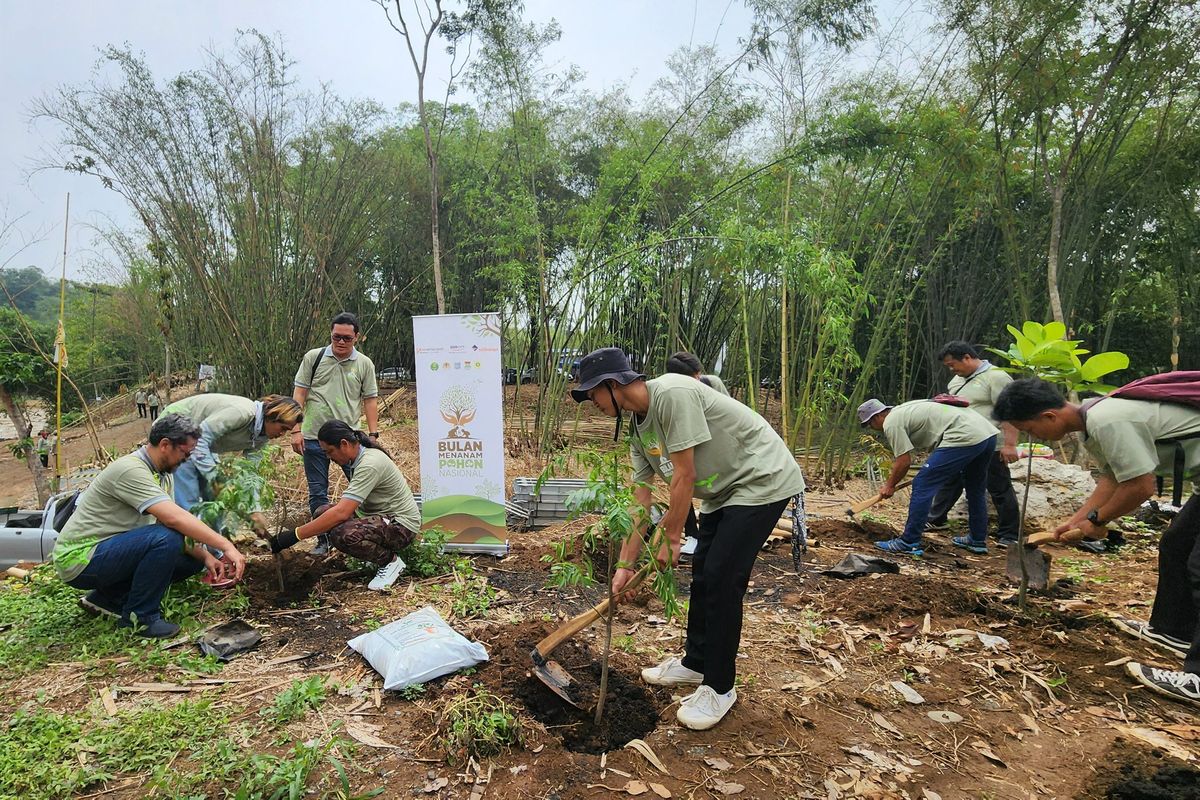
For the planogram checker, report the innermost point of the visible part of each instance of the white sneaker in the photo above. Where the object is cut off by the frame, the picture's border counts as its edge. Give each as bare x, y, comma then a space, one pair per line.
388, 574
671, 672
704, 708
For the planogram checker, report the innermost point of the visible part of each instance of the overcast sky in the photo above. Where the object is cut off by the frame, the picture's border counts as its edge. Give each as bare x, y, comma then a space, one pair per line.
346, 43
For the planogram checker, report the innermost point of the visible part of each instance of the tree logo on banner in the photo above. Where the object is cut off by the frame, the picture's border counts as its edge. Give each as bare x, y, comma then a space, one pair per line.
459, 453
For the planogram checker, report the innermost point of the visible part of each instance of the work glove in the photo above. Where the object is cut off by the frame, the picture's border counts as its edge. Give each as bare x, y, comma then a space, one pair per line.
286, 538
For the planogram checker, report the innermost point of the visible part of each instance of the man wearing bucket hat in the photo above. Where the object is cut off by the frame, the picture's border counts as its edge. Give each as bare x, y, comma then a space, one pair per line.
706, 445
962, 442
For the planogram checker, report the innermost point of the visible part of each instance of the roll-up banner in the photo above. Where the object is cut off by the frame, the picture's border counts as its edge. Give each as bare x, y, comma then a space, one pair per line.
460, 419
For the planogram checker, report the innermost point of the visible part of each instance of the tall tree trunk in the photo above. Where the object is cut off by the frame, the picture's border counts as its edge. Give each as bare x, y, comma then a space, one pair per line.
1056, 210
24, 431
434, 231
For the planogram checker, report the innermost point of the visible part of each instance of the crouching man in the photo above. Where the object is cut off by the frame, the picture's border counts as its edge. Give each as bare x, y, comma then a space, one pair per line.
1133, 440
707, 445
128, 541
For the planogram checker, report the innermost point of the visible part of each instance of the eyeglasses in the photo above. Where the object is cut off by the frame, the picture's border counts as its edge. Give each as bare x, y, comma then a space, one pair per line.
341, 337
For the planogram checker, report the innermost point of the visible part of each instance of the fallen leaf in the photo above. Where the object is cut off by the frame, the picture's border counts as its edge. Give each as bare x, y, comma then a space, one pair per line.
1118, 662
993, 643
362, 734
518, 769
435, 785
1031, 723
538, 749
910, 694
1189, 732
1104, 713
719, 764
1159, 740
927, 625
660, 790
987, 753
647, 753
728, 788
928, 794
635, 788
947, 717
881, 721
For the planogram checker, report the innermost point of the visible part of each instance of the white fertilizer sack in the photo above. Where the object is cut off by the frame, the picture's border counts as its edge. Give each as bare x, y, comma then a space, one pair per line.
417, 648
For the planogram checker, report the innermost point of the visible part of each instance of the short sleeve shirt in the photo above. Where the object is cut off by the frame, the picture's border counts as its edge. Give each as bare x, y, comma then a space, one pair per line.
739, 459
981, 389
379, 487
230, 420
926, 425
716, 383
115, 502
1122, 435
336, 389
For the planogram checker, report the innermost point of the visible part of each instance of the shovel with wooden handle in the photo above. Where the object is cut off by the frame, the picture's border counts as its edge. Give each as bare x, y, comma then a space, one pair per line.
552, 673
863, 505
1036, 560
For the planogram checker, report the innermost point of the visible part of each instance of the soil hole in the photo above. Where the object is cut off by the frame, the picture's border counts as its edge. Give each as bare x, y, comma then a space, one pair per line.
630, 712
1167, 783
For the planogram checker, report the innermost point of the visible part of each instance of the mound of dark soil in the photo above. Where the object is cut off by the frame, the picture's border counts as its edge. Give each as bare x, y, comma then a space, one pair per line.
631, 710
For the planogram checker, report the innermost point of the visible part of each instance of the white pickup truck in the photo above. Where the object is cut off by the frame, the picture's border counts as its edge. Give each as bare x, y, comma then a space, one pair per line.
29, 535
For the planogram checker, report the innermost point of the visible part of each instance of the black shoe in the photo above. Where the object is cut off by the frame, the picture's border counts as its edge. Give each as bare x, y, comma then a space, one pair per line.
322, 546
1006, 543
98, 604
930, 525
1092, 546
1181, 686
157, 628
1143, 631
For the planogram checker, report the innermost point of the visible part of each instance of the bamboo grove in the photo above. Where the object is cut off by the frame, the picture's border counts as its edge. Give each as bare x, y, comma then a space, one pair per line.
814, 214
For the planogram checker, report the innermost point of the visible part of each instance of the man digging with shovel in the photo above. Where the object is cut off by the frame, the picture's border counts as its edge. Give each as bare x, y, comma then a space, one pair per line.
1133, 440
710, 446
963, 443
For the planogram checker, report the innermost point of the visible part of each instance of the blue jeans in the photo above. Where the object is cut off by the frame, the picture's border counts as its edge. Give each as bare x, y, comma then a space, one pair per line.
944, 464
189, 486
134, 570
316, 470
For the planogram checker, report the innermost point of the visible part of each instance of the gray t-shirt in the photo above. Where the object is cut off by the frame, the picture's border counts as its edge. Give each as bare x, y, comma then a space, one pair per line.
336, 389
379, 487
981, 389
926, 425
115, 502
739, 459
1121, 434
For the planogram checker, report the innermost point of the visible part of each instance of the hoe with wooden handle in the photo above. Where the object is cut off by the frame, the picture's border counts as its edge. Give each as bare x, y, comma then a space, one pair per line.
552, 673
863, 505
1037, 561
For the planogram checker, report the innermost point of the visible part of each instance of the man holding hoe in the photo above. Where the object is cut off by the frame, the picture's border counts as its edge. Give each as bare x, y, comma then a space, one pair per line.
963, 443
707, 445
1134, 440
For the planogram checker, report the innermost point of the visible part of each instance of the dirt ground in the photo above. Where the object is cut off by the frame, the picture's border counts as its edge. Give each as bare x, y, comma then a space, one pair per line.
1011, 704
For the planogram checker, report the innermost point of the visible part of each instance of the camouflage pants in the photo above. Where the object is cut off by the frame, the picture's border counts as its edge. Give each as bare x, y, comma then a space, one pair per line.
376, 539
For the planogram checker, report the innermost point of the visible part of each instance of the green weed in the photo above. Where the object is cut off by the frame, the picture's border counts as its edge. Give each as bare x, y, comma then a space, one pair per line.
470, 598
424, 557
296, 701
478, 724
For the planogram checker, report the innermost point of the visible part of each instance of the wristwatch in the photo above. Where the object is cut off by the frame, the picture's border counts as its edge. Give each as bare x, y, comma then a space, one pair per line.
1094, 518
374, 434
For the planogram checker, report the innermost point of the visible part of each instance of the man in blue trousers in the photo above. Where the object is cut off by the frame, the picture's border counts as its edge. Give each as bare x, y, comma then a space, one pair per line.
963, 443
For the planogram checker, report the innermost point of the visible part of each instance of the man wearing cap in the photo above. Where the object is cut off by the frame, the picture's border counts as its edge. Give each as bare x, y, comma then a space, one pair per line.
706, 445
963, 443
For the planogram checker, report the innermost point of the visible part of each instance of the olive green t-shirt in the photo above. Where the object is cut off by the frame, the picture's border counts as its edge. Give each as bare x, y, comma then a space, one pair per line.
981, 390
231, 420
379, 487
336, 389
926, 425
115, 502
1121, 434
715, 382
739, 459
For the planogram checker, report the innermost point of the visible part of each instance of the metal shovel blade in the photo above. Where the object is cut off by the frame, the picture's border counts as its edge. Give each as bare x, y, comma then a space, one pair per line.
556, 678
1037, 566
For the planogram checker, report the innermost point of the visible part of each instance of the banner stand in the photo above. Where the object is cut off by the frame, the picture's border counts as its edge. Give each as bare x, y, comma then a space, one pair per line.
460, 424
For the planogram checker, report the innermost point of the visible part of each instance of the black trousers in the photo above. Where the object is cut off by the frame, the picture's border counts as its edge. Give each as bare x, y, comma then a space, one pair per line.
999, 486
141, 410
728, 542
1177, 602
